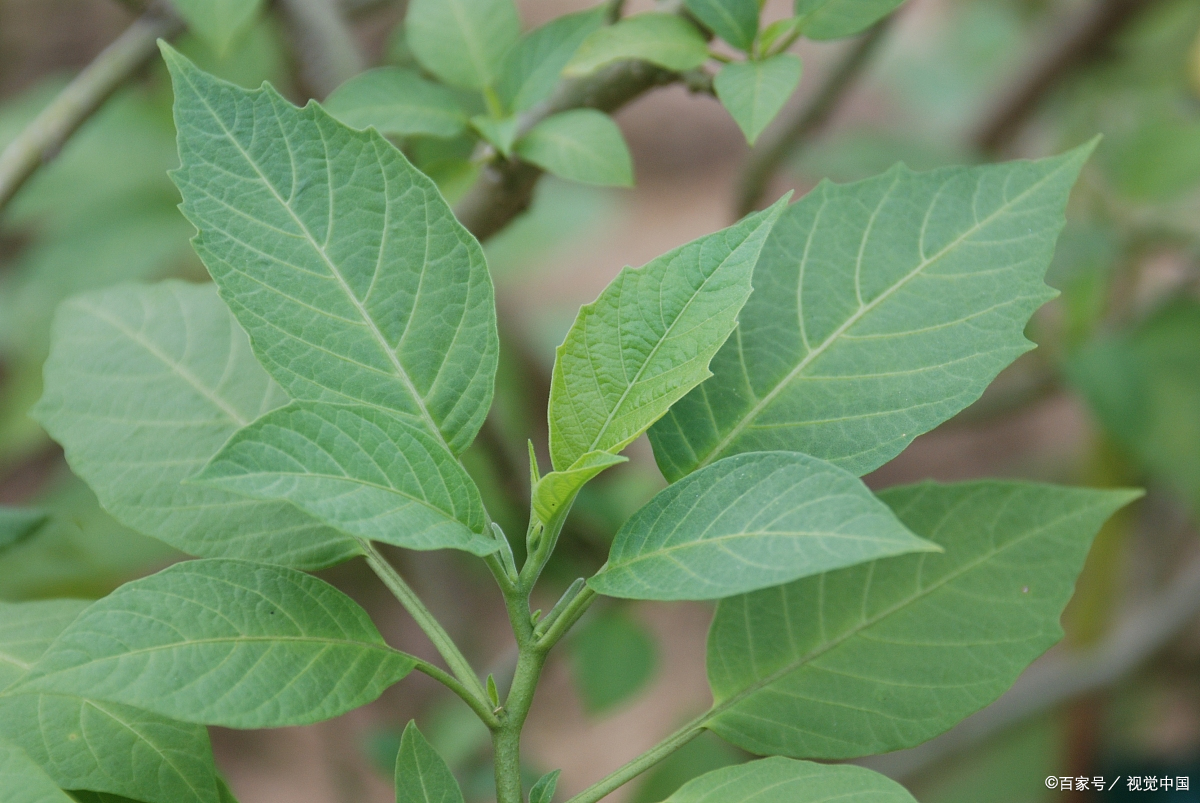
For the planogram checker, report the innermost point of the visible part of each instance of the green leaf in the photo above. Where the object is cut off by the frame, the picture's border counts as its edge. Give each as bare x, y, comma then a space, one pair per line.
143, 386
219, 22
462, 42
363, 470
886, 655
500, 132
754, 91
224, 642
881, 308
18, 523
422, 776
533, 67
782, 780
554, 493
26, 630
749, 522
613, 657
340, 259
111, 748
1144, 388
648, 338
735, 21
834, 19
23, 781
543, 789
397, 103
663, 39
580, 145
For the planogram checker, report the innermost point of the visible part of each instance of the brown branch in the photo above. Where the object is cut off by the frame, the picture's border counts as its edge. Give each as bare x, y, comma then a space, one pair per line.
323, 44
794, 131
44, 137
1078, 41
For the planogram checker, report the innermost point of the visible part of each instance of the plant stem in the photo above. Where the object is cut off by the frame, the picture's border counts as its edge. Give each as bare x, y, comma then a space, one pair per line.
324, 44
645, 761
765, 159
433, 629
44, 137
481, 708
565, 620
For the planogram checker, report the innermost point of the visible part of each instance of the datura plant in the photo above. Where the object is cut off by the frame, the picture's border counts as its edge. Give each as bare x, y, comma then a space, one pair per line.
316, 399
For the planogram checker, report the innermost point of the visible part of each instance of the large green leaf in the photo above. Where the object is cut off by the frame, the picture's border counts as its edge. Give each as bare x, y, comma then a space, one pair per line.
754, 91
881, 308
580, 145
18, 523
885, 655
782, 780
1144, 387
364, 470
26, 630
341, 260
648, 338
397, 103
111, 748
463, 42
748, 522
422, 775
663, 39
219, 22
224, 642
534, 65
23, 781
833, 19
735, 21
143, 385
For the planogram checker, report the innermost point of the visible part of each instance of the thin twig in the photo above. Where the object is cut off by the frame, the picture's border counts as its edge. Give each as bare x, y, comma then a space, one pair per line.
44, 137
324, 44
792, 132
1078, 41
1060, 678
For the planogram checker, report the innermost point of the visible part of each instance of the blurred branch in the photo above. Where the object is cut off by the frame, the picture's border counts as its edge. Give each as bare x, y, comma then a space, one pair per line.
324, 45
1078, 41
1064, 677
792, 132
44, 137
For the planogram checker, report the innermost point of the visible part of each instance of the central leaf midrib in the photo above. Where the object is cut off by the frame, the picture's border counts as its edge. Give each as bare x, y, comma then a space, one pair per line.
812, 355
753, 534
401, 373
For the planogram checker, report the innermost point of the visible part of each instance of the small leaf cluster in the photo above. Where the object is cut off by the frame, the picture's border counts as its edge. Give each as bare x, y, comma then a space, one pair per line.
316, 400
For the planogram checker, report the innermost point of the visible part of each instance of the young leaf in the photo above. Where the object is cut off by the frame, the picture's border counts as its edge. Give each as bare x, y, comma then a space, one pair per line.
663, 39
500, 132
143, 385
735, 21
366, 471
613, 657
26, 630
648, 338
749, 522
754, 91
223, 642
18, 523
555, 492
580, 145
462, 42
782, 780
219, 22
422, 776
397, 103
340, 259
834, 19
23, 781
111, 748
886, 655
881, 308
535, 63
543, 788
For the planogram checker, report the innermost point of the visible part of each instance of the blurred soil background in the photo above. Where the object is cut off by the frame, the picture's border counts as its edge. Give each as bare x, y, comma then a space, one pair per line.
940, 72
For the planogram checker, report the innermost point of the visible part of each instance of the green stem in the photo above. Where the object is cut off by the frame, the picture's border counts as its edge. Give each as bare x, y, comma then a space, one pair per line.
566, 619
433, 629
482, 709
645, 761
